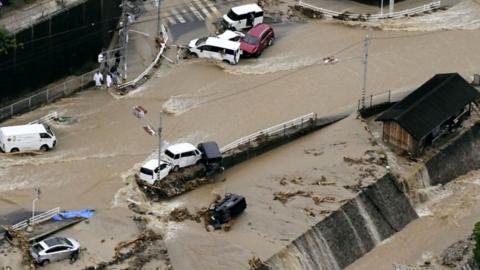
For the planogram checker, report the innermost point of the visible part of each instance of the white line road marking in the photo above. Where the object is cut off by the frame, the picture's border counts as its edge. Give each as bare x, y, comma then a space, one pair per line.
212, 7
171, 20
195, 12
202, 8
186, 14
178, 16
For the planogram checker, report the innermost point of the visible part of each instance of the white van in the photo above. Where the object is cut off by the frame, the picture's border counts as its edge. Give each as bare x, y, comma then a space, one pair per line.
216, 48
182, 155
27, 138
149, 171
242, 17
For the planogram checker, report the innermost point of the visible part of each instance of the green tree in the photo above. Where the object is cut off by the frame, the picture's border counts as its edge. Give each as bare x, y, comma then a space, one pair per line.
7, 41
476, 235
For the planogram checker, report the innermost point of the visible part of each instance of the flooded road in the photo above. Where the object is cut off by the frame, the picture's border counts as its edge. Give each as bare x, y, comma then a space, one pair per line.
204, 100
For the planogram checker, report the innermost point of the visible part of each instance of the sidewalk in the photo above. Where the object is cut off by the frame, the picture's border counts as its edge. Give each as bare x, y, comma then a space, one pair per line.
141, 47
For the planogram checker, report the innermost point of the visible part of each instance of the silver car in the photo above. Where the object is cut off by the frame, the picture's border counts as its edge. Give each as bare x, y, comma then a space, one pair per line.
55, 249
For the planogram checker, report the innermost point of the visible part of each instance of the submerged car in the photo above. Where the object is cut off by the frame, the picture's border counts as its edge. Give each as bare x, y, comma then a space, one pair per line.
182, 155
55, 249
231, 35
230, 207
149, 171
242, 17
211, 157
257, 39
216, 48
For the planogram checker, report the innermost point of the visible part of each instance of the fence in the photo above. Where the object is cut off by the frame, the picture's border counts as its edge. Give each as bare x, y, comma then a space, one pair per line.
372, 17
48, 95
271, 131
147, 72
375, 100
37, 219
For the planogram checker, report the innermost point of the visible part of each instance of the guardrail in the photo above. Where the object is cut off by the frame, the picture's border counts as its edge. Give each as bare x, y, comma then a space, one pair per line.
372, 17
46, 96
271, 131
36, 219
47, 118
147, 72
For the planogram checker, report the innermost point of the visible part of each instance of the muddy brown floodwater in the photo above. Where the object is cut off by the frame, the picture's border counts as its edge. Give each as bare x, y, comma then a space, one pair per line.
97, 155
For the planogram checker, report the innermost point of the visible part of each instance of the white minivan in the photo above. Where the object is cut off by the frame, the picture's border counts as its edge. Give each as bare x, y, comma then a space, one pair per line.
182, 155
27, 138
242, 17
216, 48
149, 171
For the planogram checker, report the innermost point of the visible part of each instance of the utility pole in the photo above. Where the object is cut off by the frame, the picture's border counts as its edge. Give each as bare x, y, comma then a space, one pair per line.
140, 113
124, 37
391, 7
365, 65
158, 16
159, 134
37, 197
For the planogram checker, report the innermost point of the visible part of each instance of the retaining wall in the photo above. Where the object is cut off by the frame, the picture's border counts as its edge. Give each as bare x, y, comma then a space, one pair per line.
465, 151
376, 213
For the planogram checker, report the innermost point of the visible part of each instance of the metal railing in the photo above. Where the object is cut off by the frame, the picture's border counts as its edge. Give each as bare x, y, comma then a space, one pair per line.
45, 119
147, 72
371, 17
47, 95
271, 131
37, 219
373, 100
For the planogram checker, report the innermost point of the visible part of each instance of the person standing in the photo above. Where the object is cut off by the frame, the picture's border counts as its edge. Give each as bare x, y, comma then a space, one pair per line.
109, 80
98, 78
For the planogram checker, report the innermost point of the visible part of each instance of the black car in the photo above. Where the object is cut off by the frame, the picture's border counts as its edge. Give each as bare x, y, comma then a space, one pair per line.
231, 206
211, 157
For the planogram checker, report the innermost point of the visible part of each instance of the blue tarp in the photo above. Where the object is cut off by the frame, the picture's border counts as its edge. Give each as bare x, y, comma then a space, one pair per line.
85, 213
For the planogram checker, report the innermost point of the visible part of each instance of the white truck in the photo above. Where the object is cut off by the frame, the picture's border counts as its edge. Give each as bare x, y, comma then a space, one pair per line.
27, 138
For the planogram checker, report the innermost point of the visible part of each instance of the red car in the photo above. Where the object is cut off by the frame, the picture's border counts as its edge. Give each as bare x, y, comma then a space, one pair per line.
257, 39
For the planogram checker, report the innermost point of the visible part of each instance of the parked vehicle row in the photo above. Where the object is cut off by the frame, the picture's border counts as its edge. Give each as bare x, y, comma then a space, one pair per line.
230, 45
182, 155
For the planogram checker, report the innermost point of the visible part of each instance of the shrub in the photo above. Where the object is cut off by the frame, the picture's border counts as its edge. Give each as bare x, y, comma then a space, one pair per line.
7, 41
476, 236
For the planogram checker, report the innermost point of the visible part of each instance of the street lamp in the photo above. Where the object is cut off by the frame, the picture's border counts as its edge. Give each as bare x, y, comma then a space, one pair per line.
37, 197
140, 113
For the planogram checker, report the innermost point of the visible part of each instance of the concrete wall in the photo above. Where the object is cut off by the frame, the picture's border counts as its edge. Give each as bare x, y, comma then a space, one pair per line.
58, 46
358, 226
464, 151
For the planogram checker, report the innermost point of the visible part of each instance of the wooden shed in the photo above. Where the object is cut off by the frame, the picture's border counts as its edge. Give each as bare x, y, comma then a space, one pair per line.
426, 113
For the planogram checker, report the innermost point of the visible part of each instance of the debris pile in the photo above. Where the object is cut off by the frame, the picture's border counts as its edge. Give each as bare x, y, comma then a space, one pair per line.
283, 197
323, 182
328, 199
255, 263
19, 240
355, 187
182, 214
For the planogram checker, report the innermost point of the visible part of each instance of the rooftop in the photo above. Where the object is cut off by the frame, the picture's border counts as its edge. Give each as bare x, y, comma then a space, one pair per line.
246, 8
431, 104
181, 147
23, 129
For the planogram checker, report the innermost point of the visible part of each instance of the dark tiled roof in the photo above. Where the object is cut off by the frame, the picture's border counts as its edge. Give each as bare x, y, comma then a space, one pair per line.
431, 104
